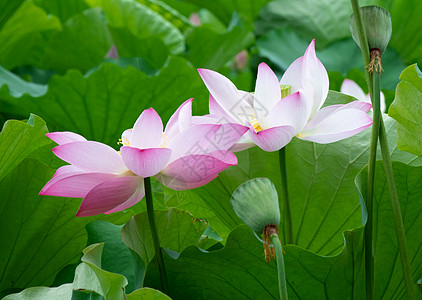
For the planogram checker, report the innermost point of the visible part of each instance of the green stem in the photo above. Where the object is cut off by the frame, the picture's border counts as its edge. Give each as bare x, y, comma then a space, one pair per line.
373, 88
397, 216
369, 259
288, 230
154, 233
282, 285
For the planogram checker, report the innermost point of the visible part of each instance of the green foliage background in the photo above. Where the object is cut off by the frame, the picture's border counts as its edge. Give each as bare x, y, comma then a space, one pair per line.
92, 66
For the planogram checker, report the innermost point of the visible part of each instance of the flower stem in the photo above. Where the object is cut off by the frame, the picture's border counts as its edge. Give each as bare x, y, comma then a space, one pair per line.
288, 230
374, 90
282, 285
154, 233
397, 216
369, 259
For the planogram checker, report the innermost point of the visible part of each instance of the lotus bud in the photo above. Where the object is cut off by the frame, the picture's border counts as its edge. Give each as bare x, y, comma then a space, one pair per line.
255, 202
377, 22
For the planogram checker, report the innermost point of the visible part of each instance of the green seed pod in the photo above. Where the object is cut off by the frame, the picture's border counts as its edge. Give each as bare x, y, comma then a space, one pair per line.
377, 22
255, 202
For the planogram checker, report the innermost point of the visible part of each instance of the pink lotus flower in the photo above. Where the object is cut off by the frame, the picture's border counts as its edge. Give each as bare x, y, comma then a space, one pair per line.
185, 156
96, 173
351, 88
273, 120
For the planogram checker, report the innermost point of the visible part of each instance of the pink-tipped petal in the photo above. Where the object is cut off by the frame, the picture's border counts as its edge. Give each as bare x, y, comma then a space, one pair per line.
180, 120
315, 78
145, 162
135, 198
91, 156
195, 170
64, 137
274, 138
227, 95
109, 195
225, 137
267, 94
75, 186
351, 88
194, 140
336, 125
147, 130
61, 173
308, 73
292, 110
329, 110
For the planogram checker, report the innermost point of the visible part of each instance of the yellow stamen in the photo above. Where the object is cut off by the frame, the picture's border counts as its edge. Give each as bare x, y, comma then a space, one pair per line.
254, 122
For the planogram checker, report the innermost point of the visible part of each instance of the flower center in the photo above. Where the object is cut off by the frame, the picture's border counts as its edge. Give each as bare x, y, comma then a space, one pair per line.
254, 122
286, 90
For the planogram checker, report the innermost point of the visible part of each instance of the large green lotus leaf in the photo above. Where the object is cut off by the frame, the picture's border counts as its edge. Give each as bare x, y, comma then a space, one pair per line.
176, 230
407, 110
18, 139
82, 44
63, 9
240, 270
224, 9
388, 274
210, 49
133, 23
324, 201
116, 257
108, 100
40, 234
22, 32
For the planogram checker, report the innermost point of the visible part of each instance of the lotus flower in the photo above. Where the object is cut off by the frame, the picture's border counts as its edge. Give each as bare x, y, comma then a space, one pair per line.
274, 120
185, 156
351, 88
96, 173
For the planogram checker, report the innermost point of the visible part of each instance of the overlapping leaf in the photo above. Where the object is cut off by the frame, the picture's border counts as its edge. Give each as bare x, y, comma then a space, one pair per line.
407, 110
19, 139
